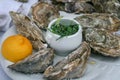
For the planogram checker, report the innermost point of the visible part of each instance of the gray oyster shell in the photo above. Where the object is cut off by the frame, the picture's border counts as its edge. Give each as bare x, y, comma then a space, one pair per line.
98, 31
82, 6
42, 13
77, 6
39, 61
107, 6
73, 66
103, 41
26, 27
56, 3
99, 20
35, 63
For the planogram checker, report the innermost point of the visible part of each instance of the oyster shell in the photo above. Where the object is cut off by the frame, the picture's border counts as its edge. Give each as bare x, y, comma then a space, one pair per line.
27, 28
113, 7
43, 13
99, 20
77, 6
98, 4
58, 5
73, 66
35, 63
103, 41
82, 6
98, 31
107, 6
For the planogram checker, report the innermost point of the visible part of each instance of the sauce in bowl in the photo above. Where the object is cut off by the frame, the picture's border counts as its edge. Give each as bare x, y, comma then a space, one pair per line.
62, 28
64, 35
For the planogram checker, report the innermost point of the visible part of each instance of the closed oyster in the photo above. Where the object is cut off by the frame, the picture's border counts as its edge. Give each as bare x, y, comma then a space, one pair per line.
72, 6
80, 6
77, 6
103, 41
113, 7
99, 20
73, 66
99, 5
35, 63
27, 28
107, 6
43, 13
57, 4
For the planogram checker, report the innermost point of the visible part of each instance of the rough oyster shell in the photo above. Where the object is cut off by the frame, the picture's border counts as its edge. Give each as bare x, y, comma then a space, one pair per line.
57, 4
72, 66
27, 28
107, 6
98, 4
98, 30
114, 8
103, 41
84, 7
99, 20
35, 63
43, 13
77, 6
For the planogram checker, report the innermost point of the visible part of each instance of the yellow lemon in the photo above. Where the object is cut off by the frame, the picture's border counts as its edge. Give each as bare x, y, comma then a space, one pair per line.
16, 48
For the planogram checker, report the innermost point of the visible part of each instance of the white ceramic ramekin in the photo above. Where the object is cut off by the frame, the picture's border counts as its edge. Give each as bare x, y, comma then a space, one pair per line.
66, 44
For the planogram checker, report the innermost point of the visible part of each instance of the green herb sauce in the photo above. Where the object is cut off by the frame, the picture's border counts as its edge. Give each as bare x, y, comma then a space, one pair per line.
64, 27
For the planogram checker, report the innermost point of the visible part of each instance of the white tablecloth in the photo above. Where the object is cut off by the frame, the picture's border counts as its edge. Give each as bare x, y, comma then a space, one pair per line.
3, 76
5, 7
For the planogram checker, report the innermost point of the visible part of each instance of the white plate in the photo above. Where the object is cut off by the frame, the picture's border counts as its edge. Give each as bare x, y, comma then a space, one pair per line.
98, 67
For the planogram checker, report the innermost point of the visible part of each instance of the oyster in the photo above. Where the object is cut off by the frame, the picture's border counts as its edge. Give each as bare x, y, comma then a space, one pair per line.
35, 63
27, 28
43, 13
98, 4
103, 41
113, 7
77, 6
107, 6
80, 6
99, 20
73, 66
58, 5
